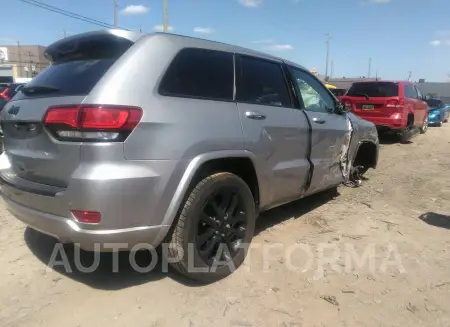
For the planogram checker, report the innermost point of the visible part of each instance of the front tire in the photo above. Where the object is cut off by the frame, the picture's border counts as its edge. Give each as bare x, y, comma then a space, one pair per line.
214, 229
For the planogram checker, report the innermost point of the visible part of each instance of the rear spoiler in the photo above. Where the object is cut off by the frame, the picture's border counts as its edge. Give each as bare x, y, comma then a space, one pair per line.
72, 44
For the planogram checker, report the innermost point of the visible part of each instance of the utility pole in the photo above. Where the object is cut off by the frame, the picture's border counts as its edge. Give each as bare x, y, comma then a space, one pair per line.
409, 76
332, 68
165, 22
19, 52
370, 67
30, 64
116, 18
328, 35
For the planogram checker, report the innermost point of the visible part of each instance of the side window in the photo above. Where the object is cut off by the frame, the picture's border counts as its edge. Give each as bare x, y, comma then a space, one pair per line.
261, 82
314, 95
200, 73
410, 91
419, 93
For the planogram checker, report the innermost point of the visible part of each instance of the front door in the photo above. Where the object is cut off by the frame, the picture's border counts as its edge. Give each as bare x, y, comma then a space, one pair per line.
275, 132
422, 106
329, 130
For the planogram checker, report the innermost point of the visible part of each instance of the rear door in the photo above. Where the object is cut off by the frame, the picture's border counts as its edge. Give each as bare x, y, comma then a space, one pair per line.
275, 132
329, 131
373, 99
36, 156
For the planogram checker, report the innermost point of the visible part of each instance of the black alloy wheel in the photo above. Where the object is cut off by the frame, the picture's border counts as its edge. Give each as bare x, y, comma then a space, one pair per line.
214, 229
223, 223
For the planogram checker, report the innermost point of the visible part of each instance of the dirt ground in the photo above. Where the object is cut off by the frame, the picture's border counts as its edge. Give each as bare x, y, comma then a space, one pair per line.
398, 219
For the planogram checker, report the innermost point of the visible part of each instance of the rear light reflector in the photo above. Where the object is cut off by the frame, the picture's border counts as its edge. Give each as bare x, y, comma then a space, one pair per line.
87, 217
92, 122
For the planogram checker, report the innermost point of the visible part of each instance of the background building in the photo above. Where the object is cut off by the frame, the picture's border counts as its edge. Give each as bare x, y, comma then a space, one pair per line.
21, 61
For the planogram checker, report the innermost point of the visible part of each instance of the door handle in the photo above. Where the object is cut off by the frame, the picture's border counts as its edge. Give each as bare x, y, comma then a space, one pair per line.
255, 115
318, 120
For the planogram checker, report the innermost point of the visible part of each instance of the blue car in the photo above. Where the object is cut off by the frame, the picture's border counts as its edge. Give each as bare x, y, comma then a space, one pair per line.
438, 112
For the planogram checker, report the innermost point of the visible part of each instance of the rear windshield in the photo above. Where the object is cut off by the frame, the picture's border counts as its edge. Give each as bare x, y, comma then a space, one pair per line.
435, 103
77, 65
373, 89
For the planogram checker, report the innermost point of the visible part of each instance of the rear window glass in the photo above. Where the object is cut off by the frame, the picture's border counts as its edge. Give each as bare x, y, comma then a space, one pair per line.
435, 103
73, 77
200, 73
78, 64
375, 89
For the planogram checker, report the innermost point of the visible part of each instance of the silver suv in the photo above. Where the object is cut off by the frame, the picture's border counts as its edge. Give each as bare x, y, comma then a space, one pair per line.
130, 138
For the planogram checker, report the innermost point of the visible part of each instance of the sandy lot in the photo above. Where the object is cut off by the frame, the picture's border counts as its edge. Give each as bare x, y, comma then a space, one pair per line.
403, 281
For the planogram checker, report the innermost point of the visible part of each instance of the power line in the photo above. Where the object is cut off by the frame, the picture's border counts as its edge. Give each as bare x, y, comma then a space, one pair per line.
67, 13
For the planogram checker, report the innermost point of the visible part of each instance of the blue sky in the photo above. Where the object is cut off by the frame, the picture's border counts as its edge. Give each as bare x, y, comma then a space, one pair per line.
399, 35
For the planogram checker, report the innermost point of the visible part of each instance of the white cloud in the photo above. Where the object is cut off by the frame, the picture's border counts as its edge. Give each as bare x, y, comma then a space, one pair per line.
264, 41
204, 30
250, 3
379, 1
160, 28
135, 10
279, 47
435, 43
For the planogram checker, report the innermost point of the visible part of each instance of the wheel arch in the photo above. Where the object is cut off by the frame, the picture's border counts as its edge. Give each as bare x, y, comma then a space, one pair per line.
208, 163
366, 154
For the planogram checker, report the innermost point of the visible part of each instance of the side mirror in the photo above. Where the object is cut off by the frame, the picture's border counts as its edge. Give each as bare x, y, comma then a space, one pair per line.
341, 108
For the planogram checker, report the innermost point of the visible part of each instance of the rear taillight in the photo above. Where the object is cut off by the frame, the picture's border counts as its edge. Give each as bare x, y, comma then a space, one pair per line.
395, 103
92, 122
3, 95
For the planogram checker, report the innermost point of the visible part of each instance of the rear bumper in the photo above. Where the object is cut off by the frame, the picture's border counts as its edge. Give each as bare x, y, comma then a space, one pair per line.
386, 123
133, 198
67, 230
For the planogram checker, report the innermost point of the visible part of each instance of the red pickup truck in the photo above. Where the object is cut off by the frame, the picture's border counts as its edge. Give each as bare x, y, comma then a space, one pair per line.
396, 107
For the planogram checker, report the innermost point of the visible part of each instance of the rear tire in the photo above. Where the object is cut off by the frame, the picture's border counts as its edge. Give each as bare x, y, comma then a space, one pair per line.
405, 136
219, 213
424, 127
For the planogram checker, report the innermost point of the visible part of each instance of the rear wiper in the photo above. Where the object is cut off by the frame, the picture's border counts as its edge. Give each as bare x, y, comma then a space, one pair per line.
362, 94
36, 89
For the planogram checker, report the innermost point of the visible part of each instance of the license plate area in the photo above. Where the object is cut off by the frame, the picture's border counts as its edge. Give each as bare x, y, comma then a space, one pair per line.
367, 107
